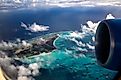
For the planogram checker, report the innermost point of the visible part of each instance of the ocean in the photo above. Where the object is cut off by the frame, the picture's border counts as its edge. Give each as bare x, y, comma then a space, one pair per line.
57, 18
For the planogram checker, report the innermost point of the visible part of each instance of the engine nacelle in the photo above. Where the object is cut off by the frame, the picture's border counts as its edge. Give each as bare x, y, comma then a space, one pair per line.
108, 44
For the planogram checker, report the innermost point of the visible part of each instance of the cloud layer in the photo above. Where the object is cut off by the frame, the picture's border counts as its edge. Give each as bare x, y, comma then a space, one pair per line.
60, 3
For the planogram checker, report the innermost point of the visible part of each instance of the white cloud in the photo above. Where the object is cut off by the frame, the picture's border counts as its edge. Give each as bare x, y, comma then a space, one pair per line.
7, 45
87, 33
90, 46
23, 71
34, 66
24, 78
24, 43
60, 3
91, 28
10, 45
110, 16
35, 72
81, 44
35, 27
17, 1
83, 3
93, 38
77, 34
83, 49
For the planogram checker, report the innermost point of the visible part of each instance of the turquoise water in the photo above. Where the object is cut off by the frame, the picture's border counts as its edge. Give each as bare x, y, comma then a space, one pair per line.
70, 61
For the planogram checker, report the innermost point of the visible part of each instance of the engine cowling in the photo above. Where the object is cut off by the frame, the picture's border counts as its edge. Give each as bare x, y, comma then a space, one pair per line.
108, 44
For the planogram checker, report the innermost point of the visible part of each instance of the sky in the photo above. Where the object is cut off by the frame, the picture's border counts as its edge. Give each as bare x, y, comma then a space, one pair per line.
55, 1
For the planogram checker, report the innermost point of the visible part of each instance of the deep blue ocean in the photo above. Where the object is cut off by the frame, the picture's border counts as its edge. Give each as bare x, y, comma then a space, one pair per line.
57, 18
